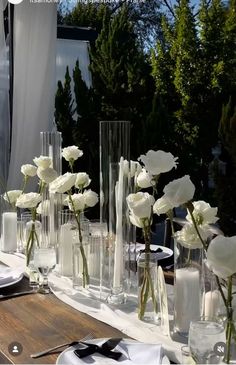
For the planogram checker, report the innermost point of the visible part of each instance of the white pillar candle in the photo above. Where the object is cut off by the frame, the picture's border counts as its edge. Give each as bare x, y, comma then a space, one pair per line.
212, 304
9, 232
65, 257
187, 298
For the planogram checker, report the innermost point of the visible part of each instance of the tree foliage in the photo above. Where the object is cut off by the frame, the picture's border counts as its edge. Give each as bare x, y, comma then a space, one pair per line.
173, 95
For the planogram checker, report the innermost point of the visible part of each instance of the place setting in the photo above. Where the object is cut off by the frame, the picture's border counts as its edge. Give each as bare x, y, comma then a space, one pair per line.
108, 351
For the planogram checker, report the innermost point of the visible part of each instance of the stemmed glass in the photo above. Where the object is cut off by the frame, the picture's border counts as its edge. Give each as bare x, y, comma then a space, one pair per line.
44, 262
206, 342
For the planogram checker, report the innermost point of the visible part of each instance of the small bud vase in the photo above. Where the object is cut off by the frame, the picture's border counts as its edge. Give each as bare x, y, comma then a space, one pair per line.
147, 288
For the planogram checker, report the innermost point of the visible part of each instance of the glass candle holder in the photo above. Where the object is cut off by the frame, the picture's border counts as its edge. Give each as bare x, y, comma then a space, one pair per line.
51, 146
189, 287
114, 150
8, 226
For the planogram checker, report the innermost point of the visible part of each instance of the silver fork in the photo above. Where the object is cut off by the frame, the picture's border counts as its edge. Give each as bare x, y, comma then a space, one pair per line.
90, 336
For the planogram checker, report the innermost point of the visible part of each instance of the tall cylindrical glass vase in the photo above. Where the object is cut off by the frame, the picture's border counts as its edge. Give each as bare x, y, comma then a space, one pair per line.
188, 287
51, 146
8, 226
114, 150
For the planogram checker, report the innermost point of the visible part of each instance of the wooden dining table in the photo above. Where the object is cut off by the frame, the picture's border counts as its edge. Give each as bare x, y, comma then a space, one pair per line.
38, 321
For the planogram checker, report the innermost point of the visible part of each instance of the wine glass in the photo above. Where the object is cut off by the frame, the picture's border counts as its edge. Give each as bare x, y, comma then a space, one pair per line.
205, 338
44, 262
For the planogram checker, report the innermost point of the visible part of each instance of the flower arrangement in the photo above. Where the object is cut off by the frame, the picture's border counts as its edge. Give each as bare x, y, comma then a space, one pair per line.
141, 207
72, 186
197, 233
23, 200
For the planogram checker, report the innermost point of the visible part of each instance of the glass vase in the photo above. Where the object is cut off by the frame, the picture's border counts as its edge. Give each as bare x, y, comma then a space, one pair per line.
8, 226
188, 287
148, 302
230, 329
81, 274
51, 146
32, 234
66, 231
114, 187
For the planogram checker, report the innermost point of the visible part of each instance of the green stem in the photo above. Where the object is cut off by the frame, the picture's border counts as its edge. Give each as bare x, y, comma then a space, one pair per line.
42, 185
26, 179
71, 163
147, 236
147, 288
195, 225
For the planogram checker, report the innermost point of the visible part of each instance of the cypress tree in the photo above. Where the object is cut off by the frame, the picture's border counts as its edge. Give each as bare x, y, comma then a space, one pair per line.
225, 193
184, 51
64, 109
121, 74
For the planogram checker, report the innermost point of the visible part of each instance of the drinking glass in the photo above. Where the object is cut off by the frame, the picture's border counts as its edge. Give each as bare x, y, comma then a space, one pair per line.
205, 339
44, 262
20, 236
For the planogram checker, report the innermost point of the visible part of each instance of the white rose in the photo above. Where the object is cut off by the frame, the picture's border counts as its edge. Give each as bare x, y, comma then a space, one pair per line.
138, 222
43, 161
78, 202
144, 179
71, 153
162, 206
221, 256
62, 183
179, 191
28, 170
82, 180
135, 168
189, 238
29, 200
203, 213
12, 195
157, 162
47, 175
91, 198
140, 204
44, 208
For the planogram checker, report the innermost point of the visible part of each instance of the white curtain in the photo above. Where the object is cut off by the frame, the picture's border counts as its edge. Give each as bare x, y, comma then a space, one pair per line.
35, 27
4, 100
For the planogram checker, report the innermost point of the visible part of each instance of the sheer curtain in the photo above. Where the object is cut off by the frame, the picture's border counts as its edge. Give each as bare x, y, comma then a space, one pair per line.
4, 99
35, 27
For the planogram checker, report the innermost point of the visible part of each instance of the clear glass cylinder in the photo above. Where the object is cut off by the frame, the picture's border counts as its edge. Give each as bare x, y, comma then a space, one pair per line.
51, 146
66, 231
8, 226
98, 235
31, 237
189, 287
148, 302
114, 149
81, 275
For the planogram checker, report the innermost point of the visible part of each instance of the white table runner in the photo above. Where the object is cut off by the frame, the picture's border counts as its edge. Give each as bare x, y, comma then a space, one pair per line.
123, 318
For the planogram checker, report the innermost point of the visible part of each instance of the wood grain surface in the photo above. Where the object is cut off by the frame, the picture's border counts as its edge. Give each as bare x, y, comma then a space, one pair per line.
40, 321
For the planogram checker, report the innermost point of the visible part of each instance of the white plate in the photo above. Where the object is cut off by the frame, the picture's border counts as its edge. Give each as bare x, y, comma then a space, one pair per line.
166, 252
67, 357
9, 276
